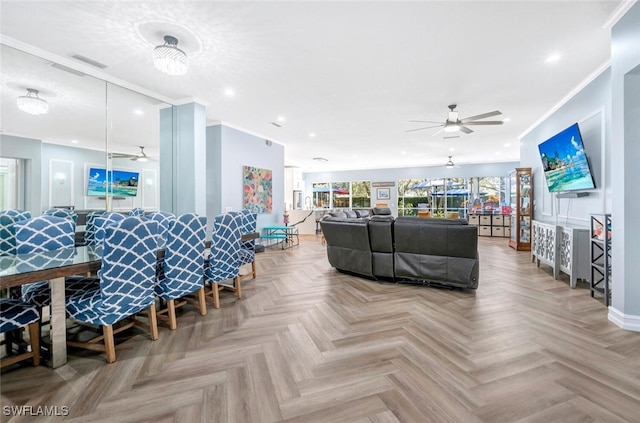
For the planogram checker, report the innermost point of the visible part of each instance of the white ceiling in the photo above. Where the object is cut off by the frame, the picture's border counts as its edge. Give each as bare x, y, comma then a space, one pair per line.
353, 73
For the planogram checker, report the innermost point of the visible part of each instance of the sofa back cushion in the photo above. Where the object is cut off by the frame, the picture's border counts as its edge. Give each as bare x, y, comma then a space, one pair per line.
348, 247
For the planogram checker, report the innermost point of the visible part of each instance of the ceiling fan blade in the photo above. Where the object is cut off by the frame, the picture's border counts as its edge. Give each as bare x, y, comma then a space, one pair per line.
438, 131
424, 121
452, 136
420, 129
482, 116
121, 156
485, 122
465, 129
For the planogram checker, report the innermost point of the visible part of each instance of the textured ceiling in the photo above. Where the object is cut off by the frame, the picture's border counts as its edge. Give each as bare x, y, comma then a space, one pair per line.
352, 73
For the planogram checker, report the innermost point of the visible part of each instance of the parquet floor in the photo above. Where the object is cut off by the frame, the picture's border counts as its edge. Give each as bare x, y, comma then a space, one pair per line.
308, 344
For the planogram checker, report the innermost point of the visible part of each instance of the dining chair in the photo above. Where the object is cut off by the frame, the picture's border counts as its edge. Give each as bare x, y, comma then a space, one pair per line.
38, 234
90, 227
102, 221
182, 271
138, 211
59, 212
164, 219
248, 248
8, 218
223, 264
125, 287
14, 315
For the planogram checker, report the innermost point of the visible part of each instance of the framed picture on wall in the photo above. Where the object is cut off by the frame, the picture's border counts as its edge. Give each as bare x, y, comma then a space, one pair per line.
383, 193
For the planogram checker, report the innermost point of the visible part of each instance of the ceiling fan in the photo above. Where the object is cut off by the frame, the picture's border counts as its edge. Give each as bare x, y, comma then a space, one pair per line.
450, 164
139, 157
453, 124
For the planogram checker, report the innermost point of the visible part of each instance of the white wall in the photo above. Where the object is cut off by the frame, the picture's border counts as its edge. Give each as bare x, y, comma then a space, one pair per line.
591, 109
228, 150
625, 177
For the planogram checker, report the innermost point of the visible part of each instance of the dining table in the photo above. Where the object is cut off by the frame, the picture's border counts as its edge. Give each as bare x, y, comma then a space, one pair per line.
21, 269
54, 266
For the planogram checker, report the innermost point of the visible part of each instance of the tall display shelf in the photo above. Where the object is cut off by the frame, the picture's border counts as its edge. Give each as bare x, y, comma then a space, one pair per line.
601, 256
521, 198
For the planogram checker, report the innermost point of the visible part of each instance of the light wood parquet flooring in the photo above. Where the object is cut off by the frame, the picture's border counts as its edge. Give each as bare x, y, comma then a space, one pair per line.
309, 344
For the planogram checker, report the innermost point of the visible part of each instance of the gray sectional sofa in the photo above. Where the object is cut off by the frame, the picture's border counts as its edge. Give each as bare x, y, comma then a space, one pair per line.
405, 249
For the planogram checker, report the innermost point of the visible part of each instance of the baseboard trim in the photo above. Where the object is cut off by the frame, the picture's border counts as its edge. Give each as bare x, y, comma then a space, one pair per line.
624, 321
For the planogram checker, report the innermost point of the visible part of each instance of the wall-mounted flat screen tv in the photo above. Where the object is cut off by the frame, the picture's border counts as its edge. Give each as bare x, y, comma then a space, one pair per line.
118, 183
565, 163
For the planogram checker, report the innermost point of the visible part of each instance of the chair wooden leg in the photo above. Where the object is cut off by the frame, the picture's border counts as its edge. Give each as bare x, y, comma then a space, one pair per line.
153, 322
216, 295
34, 338
253, 269
109, 344
8, 342
202, 302
171, 307
238, 287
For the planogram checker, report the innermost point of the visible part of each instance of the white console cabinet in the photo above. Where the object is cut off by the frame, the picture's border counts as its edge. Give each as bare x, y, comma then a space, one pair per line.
563, 247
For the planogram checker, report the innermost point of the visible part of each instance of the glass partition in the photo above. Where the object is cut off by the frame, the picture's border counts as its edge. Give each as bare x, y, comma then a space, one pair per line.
90, 125
53, 146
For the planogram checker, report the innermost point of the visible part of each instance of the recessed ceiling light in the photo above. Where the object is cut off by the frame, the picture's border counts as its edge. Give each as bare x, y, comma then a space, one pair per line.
552, 58
452, 149
74, 141
506, 119
281, 119
403, 152
138, 112
311, 134
498, 153
507, 144
229, 92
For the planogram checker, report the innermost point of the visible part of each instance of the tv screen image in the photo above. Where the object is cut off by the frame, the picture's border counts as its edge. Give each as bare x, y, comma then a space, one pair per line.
564, 162
120, 183
124, 184
97, 185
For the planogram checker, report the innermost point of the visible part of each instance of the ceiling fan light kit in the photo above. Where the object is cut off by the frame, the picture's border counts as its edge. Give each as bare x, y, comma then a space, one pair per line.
449, 163
168, 58
31, 103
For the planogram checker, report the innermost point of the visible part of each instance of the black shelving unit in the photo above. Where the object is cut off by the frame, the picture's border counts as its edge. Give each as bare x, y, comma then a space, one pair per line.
601, 256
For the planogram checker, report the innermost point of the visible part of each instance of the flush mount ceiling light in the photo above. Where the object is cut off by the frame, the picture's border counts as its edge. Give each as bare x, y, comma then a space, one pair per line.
32, 104
168, 58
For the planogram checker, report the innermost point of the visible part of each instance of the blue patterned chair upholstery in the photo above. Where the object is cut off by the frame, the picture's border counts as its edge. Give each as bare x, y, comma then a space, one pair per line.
182, 272
224, 261
38, 234
138, 211
248, 248
14, 314
164, 219
103, 221
126, 287
7, 231
64, 213
90, 227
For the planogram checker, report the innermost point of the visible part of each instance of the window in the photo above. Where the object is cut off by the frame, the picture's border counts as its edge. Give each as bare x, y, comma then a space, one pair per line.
413, 194
321, 197
361, 194
341, 194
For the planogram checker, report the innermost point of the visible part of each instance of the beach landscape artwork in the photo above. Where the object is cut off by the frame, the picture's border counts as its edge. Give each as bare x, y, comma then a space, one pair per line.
258, 189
